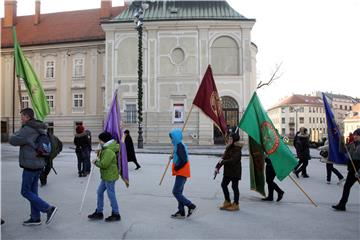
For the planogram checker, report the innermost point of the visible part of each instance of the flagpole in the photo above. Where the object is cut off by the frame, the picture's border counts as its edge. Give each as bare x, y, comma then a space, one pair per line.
13, 120
303, 191
182, 130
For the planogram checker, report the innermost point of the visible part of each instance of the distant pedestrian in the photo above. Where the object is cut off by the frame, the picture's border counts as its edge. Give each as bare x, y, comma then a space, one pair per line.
270, 176
303, 150
324, 150
82, 150
107, 162
231, 160
32, 166
180, 169
353, 174
350, 138
130, 151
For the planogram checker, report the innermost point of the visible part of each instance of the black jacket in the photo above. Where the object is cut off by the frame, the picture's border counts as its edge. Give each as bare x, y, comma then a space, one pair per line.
232, 161
303, 146
130, 151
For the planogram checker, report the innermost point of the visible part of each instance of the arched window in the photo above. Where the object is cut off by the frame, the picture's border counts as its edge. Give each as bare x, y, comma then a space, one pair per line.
225, 58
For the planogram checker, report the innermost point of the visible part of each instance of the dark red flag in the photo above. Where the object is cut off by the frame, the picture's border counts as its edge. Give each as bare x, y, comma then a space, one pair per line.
208, 100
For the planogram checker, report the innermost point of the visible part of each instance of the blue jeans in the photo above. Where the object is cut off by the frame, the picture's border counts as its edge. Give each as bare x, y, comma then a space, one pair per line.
29, 190
110, 189
178, 193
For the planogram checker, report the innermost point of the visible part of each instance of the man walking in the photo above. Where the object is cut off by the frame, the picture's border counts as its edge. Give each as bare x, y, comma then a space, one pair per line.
32, 166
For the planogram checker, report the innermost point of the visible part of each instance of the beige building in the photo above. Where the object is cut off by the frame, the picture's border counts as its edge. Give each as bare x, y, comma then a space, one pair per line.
352, 120
297, 111
81, 64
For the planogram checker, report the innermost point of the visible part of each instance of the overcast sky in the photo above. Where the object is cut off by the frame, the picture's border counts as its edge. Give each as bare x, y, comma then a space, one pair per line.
317, 42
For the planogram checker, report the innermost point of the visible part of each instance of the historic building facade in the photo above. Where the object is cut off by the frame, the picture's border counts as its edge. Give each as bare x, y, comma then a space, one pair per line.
180, 39
81, 57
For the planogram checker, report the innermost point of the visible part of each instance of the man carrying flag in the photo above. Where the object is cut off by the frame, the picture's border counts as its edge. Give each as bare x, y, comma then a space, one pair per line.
33, 86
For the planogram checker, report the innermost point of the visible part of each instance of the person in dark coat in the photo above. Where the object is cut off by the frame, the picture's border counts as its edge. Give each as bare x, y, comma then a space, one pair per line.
231, 160
130, 149
270, 176
303, 150
82, 146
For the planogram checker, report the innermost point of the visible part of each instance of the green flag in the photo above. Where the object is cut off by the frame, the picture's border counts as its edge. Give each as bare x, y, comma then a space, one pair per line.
257, 178
256, 123
25, 71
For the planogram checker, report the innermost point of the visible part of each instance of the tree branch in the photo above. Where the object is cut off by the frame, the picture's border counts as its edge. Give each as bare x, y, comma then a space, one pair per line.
274, 76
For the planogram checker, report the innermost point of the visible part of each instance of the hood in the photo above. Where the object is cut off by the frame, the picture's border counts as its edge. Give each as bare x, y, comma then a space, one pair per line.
112, 145
79, 135
176, 136
37, 125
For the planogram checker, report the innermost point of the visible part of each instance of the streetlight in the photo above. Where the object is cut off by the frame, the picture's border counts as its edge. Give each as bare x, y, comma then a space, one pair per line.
139, 20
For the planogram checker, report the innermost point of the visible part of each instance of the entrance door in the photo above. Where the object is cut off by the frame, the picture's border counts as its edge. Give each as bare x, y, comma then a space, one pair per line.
231, 114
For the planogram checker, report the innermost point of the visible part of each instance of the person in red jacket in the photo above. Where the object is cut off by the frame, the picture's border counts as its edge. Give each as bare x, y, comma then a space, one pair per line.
180, 169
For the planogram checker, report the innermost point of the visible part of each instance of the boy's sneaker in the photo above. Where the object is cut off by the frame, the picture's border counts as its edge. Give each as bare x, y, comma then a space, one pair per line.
32, 222
192, 209
178, 215
113, 217
96, 216
50, 214
341, 181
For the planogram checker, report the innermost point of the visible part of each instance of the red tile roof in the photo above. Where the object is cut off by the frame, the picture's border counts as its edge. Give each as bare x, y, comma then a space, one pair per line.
299, 100
60, 27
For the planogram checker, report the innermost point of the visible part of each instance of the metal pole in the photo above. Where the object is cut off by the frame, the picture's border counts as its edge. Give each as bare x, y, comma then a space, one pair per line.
140, 89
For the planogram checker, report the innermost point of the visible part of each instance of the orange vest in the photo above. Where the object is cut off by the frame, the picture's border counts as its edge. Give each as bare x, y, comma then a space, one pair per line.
184, 171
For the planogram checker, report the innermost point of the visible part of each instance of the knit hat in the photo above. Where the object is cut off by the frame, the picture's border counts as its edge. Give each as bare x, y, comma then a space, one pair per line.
235, 136
80, 129
105, 137
357, 132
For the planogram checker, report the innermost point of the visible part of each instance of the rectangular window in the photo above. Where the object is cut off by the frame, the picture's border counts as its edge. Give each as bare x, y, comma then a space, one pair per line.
283, 132
292, 120
283, 109
50, 100
50, 127
49, 69
309, 109
317, 120
301, 120
341, 107
78, 67
24, 102
283, 120
301, 109
130, 113
309, 119
178, 113
78, 100
345, 107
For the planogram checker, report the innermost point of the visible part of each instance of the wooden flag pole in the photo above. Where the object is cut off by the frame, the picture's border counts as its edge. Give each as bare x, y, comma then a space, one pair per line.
303, 191
170, 157
352, 163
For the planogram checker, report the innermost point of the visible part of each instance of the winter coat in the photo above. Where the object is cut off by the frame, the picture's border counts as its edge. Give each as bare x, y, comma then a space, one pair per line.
25, 138
354, 151
82, 141
325, 148
181, 164
107, 161
130, 151
232, 160
303, 146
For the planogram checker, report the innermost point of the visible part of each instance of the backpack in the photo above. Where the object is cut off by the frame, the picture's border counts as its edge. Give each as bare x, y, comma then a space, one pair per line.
56, 146
43, 145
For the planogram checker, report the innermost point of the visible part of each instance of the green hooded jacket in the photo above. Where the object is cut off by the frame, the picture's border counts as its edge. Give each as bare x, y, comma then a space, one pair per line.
107, 161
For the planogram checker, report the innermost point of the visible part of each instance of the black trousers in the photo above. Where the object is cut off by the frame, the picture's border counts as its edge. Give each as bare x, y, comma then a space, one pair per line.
45, 172
235, 187
301, 166
350, 180
330, 168
270, 176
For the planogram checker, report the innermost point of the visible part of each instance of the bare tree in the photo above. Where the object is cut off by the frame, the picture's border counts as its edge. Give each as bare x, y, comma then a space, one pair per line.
274, 76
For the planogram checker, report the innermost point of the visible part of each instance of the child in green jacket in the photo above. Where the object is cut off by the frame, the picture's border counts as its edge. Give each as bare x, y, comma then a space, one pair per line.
107, 162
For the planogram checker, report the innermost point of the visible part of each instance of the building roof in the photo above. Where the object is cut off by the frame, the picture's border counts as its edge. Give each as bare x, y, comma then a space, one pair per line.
60, 27
297, 99
331, 96
182, 10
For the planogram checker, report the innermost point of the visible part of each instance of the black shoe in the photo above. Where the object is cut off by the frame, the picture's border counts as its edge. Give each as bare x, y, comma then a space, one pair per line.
96, 216
305, 176
178, 215
80, 174
339, 207
280, 196
296, 174
113, 217
267, 199
30, 222
192, 209
50, 214
2, 222
138, 167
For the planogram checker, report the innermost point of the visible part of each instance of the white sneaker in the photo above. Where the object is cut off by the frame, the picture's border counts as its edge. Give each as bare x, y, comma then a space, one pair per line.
328, 182
341, 181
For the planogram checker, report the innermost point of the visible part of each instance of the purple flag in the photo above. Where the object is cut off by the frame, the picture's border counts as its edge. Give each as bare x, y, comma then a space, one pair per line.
112, 125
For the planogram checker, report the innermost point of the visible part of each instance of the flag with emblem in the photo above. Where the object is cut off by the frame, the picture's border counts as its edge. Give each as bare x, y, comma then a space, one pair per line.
334, 136
113, 126
257, 124
33, 86
208, 100
256, 157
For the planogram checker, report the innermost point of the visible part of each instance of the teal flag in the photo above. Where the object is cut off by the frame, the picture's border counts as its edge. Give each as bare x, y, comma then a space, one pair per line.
257, 124
35, 91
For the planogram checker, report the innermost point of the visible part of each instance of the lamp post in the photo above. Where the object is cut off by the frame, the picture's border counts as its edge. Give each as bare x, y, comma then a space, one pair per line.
139, 20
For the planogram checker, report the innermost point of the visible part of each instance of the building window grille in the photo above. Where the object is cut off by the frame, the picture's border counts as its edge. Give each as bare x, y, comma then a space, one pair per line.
24, 102
49, 69
78, 100
130, 113
78, 68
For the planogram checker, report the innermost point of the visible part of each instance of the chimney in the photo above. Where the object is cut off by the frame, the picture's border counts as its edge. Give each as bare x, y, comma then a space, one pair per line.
105, 10
37, 12
10, 13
